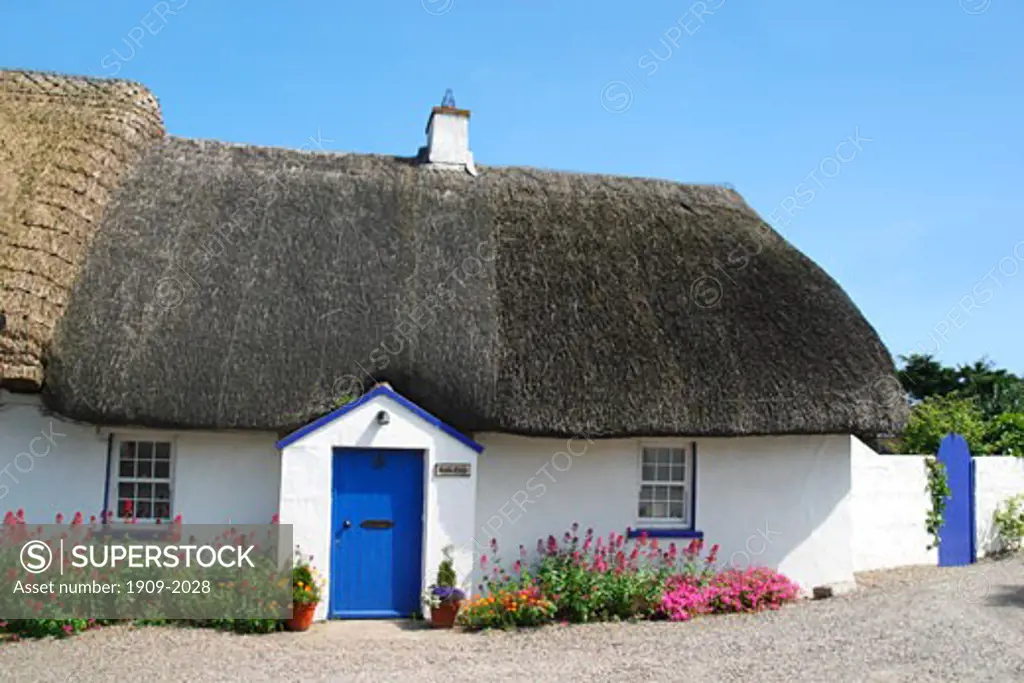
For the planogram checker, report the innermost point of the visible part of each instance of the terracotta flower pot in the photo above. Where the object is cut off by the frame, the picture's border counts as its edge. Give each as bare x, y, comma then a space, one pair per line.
443, 616
302, 616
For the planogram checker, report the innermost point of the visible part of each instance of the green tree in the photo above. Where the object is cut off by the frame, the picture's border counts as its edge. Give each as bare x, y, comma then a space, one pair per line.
936, 416
923, 376
1005, 434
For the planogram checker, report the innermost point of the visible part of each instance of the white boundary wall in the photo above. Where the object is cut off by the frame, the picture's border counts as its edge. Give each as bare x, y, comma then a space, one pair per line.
995, 480
890, 502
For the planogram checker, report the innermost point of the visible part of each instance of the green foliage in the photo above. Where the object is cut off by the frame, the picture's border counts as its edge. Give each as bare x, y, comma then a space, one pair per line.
1005, 434
1009, 521
923, 376
585, 594
584, 580
305, 580
446, 570
995, 394
935, 417
508, 607
938, 490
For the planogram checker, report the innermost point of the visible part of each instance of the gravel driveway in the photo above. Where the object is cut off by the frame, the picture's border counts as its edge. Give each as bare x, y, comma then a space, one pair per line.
922, 624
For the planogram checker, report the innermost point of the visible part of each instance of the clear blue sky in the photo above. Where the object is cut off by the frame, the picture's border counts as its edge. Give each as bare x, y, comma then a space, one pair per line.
756, 94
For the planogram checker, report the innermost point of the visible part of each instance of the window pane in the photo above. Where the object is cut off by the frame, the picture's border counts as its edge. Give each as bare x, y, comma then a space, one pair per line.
162, 470
144, 490
127, 468
162, 492
648, 472
127, 450
145, 450
645, 510
162, 510
144, 509
661, 494
676, 456
123, 507
145, 468
663, 472
675, 510
675, 494
126, 490
646, 493
659, 510
163, 451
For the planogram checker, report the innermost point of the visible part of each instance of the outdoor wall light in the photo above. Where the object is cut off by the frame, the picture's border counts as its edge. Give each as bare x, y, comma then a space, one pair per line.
383, 418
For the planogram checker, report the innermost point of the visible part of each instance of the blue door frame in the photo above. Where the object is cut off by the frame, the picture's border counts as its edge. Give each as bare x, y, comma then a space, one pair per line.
376, 533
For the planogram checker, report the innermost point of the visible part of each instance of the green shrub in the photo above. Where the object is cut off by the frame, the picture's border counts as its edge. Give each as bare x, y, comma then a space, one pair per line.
1009, 521
1005, 434
935, 417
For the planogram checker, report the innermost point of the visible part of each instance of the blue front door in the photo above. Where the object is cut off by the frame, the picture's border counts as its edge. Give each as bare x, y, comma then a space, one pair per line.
377, 527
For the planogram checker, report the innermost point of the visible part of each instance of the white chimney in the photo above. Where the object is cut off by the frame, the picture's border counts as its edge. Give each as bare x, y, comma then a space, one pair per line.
448, 137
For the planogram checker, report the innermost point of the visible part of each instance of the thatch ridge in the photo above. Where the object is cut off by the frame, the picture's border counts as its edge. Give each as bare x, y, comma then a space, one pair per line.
247, 287
65, 143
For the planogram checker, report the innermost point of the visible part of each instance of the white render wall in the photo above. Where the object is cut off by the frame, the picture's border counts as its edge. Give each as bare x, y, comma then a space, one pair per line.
890, 502
48, 465
781, 502
995, 480
218, 477
306, 484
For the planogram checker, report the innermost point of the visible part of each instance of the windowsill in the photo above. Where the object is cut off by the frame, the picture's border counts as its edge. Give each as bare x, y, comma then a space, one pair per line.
664, 532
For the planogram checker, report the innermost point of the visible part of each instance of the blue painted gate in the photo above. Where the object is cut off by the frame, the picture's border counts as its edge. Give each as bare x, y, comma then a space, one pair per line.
377, 527
956, 535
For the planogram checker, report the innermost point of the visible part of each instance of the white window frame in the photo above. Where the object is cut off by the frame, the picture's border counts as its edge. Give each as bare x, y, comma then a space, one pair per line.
687, 521
115, 474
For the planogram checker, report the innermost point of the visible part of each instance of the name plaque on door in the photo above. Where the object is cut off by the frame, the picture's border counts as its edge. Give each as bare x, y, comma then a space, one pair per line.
452, 469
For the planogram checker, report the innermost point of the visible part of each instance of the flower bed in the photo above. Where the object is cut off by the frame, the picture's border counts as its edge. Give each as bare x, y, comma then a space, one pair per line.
579, 580
251, 596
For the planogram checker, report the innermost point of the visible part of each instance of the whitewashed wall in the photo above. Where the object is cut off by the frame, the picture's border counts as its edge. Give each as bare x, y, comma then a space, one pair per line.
48, 465
995, 480
775, 501
306, 490
218, 477
890, 501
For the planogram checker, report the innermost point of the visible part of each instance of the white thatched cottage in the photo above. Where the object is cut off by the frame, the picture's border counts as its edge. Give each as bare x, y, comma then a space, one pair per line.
183, 321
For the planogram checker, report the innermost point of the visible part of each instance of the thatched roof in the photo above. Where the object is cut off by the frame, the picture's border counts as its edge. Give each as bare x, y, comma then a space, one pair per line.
245, 287
64, 145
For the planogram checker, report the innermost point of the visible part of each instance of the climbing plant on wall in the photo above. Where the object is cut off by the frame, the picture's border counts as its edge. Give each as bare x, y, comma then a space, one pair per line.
939, 492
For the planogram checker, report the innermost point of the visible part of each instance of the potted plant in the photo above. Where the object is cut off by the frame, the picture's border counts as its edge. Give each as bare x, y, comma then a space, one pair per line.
443, 597
305, 592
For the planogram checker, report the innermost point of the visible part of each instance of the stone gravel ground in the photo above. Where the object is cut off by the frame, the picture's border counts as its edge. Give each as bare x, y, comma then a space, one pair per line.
917, 624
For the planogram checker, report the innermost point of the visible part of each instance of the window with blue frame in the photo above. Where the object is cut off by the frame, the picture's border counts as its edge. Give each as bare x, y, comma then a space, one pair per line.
666, 486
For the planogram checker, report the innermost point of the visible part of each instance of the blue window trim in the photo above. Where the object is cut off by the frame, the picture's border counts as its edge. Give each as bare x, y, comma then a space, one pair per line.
668, 532
379, 390
676, 532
